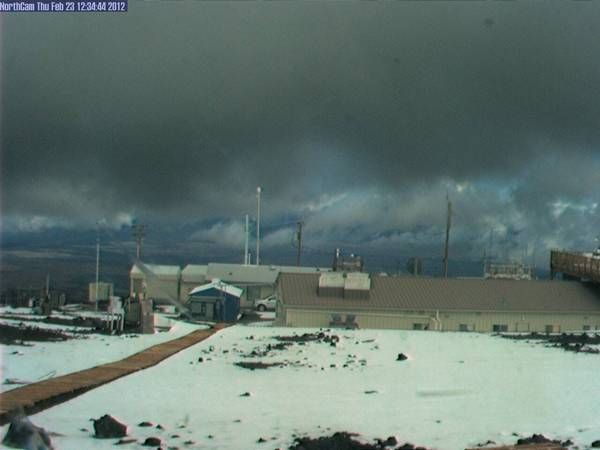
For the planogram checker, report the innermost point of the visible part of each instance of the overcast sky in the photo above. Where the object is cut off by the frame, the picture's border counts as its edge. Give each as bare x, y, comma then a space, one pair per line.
356, 117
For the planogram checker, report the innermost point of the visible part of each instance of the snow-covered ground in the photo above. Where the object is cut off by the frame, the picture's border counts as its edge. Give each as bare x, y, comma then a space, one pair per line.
454, 391
49, 359
266, 315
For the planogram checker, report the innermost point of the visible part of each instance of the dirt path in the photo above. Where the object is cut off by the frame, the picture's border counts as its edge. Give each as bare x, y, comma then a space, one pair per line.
36, 397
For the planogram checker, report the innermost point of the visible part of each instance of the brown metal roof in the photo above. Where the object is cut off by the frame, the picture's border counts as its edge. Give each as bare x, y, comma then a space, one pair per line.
420, 293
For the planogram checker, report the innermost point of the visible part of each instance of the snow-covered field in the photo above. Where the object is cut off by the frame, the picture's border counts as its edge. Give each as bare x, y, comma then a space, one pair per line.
49, 359
454, 391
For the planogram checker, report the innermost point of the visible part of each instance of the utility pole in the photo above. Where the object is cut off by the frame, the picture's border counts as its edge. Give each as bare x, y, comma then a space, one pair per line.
139, 232
247, 233
299, 239
97, 262
258, 191
448, 224
534, 257
484, 262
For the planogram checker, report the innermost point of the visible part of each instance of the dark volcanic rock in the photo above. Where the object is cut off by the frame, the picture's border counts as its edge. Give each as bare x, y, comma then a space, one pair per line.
152, 442
310, 337
390, 442
145, 424
108, 427
257, 365
536, 439
573, 342
12, 335
596, 444
25, 435
344, 441
401, 357
338, 441
406, 446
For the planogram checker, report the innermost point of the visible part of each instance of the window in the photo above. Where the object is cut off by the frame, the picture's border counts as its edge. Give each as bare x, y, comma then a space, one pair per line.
463, 327
418, 326
552, 329
202, 309
499, 328
586, 328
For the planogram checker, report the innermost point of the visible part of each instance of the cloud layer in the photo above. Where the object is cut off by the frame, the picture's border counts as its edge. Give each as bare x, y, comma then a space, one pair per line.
356, 117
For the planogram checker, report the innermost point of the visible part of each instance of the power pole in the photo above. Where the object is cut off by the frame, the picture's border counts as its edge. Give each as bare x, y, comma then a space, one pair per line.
258, 191
97, 263
139, 232
246, 233
299, 239
448, 224
484, 260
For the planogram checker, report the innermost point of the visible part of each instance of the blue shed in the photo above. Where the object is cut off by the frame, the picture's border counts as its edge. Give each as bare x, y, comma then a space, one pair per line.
215, 301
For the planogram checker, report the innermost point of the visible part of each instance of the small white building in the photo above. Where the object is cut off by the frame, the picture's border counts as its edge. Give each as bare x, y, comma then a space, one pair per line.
157, 282
256, 281
192, 275
163, 283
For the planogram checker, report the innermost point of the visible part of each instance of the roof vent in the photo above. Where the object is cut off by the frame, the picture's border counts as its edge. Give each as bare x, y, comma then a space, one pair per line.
353, 285
357, 285
331, 284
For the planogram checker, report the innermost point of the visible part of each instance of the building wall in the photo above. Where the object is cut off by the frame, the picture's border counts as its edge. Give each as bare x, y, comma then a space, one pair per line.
159, 289
251, 292
320, 319
520, 322
254, 292
186, 287
445, 320
203, 308
105, 291
188, 282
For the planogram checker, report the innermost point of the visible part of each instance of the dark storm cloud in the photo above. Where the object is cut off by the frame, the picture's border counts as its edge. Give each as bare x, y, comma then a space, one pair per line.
180, 109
